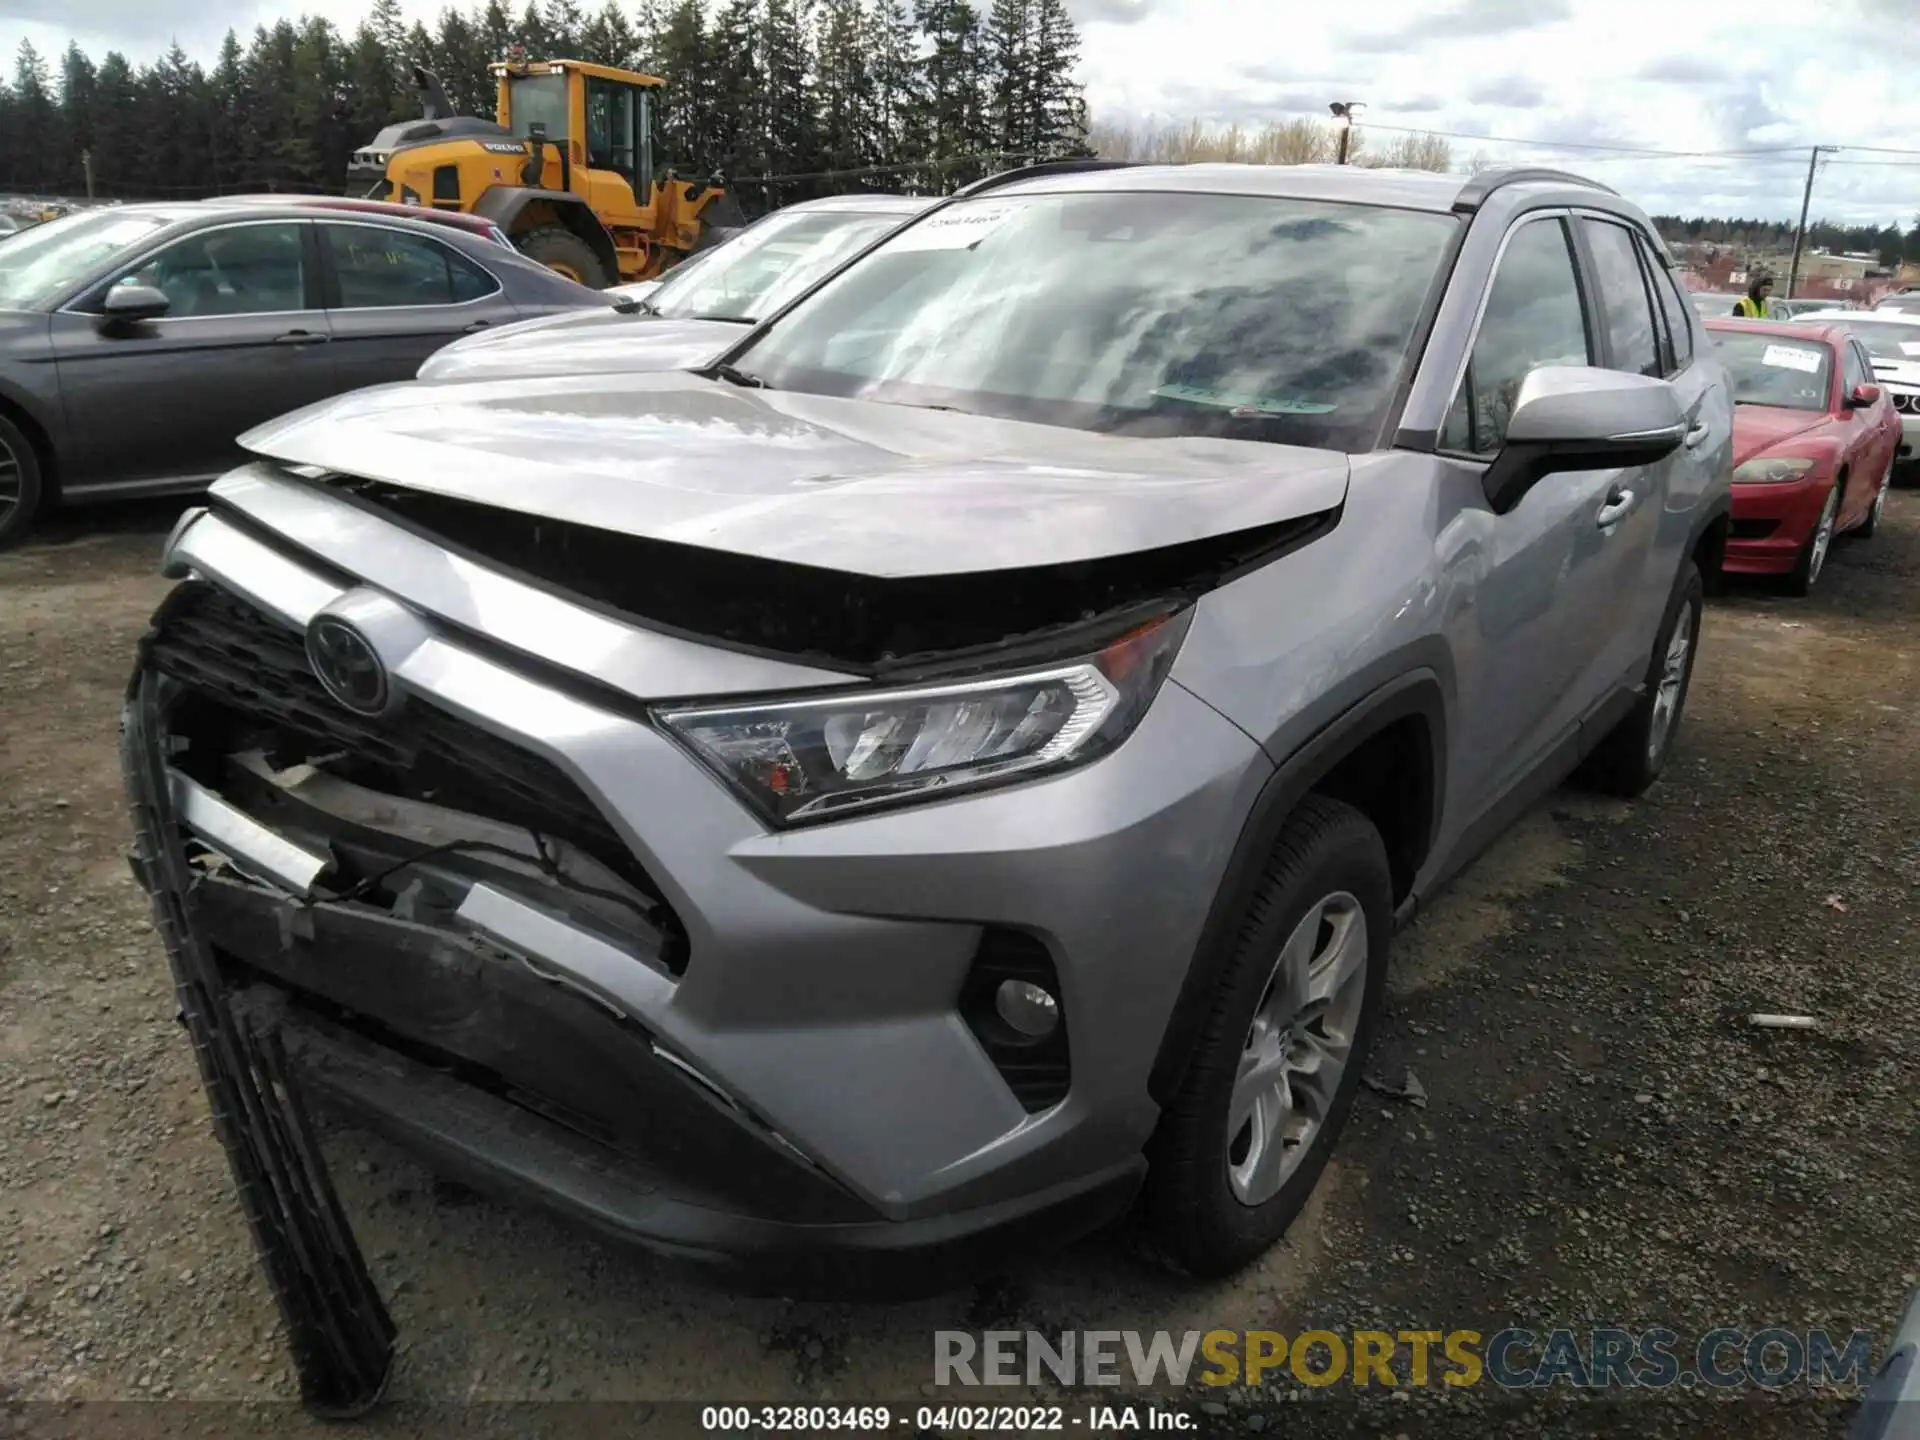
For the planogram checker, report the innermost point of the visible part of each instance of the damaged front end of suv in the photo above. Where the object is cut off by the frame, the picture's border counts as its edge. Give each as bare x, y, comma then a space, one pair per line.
593, 865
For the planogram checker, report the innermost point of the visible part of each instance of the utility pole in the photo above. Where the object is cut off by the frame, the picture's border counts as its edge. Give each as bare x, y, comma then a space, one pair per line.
1806, 200
1345, 111
86, 164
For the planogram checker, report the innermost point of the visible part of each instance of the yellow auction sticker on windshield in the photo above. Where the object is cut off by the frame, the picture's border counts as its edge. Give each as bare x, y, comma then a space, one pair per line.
1242, 404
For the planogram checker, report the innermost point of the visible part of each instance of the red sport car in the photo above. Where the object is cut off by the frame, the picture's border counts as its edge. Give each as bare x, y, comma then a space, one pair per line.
1814, 440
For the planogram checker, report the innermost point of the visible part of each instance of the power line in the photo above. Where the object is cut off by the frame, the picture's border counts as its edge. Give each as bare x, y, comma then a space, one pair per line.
1624, 151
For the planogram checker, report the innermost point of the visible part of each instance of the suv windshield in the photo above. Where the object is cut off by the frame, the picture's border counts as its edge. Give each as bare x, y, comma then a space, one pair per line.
1769, 370
43, 264
759, 270
1248, 317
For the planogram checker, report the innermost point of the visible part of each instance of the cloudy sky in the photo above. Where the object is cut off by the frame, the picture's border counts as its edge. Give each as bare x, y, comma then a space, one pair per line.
1647, 95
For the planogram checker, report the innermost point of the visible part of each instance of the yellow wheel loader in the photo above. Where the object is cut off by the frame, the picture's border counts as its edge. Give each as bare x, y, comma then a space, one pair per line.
568, 170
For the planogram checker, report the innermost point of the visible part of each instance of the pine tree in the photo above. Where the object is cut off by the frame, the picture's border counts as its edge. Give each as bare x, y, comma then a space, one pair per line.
683, 61
899, 98
788, 131
737, 99
608, 38
1012, 83
1057, 103
851, 129
227, 115
463, 58
78, 102
954, 82
564, 26
37, 138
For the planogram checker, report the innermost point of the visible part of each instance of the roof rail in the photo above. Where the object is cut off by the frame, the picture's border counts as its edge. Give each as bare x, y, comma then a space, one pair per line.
1480, 188
1044, 167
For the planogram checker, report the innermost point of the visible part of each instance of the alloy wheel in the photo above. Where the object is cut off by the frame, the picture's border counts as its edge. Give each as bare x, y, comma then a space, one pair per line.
12, 487
1823, 537
1297, 1048
1673, 680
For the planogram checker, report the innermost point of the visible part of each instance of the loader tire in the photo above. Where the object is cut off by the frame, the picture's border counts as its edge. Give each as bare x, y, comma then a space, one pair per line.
558, 248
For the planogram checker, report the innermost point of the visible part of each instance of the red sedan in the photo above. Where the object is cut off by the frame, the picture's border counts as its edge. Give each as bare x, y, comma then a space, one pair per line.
1814, 440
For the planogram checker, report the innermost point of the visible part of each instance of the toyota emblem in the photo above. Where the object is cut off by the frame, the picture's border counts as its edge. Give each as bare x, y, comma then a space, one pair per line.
347, 665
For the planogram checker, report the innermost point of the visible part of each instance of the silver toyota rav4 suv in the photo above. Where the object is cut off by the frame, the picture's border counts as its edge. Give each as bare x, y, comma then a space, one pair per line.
947, 773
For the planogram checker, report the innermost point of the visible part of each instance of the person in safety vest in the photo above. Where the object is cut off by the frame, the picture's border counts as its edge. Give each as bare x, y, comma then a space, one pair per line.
1753, 304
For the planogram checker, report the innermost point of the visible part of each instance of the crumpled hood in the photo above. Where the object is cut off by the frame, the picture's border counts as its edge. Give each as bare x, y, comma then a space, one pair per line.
581, 342
850, 485
1904, 373
1758, 429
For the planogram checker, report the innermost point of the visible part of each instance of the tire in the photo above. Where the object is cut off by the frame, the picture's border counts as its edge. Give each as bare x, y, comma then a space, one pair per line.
22, 488
1635, 751
1208, 1206
1812, 562
558, 248
1866, 528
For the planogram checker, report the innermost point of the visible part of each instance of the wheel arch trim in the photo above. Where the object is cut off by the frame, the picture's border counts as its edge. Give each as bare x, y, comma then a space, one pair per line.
1413, 694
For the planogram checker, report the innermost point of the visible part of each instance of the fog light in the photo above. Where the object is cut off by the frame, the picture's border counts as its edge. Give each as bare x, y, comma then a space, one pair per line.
1027, 1007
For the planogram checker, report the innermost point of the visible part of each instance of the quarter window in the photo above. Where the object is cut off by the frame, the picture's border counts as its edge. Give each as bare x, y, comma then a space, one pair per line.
1853, 373
1673, 306
1623, 298
237, 270
1533, 318
379, 268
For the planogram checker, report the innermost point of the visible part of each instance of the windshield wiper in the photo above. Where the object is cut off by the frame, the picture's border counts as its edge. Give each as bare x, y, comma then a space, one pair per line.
734, 375
628, 305
730, 319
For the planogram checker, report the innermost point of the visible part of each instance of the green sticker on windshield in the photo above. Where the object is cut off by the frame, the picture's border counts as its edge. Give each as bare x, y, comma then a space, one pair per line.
1241, 403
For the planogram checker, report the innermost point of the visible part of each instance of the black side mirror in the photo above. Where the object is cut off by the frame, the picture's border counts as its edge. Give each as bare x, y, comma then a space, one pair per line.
131, 304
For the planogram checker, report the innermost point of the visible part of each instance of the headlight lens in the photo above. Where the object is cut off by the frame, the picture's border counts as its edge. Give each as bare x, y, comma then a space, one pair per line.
1766, 470
818, 758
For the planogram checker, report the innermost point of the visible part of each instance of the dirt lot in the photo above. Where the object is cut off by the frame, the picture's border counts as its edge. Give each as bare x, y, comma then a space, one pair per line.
1606, 1141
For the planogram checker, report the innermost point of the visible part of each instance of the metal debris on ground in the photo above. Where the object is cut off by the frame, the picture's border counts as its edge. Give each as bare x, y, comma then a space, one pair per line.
1784, 1022
1405, 1087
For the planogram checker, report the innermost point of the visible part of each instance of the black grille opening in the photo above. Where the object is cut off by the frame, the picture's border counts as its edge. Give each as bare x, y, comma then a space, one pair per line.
1752, 529
246, 673
1035, 1069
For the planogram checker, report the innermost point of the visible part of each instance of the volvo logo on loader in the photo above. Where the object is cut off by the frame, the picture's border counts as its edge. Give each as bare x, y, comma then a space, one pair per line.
348, 666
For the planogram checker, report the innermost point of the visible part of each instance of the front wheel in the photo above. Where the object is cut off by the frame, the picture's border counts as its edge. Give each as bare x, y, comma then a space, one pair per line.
1273, 1074
559, 249
1813, 555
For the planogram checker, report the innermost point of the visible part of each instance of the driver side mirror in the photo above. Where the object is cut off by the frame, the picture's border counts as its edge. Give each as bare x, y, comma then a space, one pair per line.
1580, 417
1863, 396
130, 304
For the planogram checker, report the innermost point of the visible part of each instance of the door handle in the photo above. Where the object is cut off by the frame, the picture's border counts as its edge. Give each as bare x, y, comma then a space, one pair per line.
301, 337
1697, 434
1618, 503
476, 325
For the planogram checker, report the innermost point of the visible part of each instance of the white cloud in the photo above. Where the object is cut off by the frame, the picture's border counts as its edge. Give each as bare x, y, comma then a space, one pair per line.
1766, 74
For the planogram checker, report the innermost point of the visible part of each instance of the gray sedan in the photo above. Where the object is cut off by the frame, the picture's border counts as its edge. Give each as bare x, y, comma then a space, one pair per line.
136, 343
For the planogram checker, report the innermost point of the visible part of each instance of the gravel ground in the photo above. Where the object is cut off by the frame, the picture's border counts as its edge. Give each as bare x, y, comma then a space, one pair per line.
1605, 1142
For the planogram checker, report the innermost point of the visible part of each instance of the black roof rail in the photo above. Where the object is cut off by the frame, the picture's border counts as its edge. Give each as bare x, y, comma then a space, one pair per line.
1044, 167
1479, 188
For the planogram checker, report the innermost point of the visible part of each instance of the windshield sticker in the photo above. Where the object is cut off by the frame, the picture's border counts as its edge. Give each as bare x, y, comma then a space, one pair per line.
959, 229
1788, 357
1910, 348
1242, 405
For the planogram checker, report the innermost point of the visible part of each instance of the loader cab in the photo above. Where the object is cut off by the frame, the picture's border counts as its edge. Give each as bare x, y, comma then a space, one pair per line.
601, 118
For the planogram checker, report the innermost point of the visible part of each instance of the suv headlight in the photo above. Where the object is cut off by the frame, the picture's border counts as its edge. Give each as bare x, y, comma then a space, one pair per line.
1765, 470
820, 757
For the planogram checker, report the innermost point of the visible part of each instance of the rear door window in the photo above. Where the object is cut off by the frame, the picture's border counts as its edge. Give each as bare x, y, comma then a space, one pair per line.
380, 268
